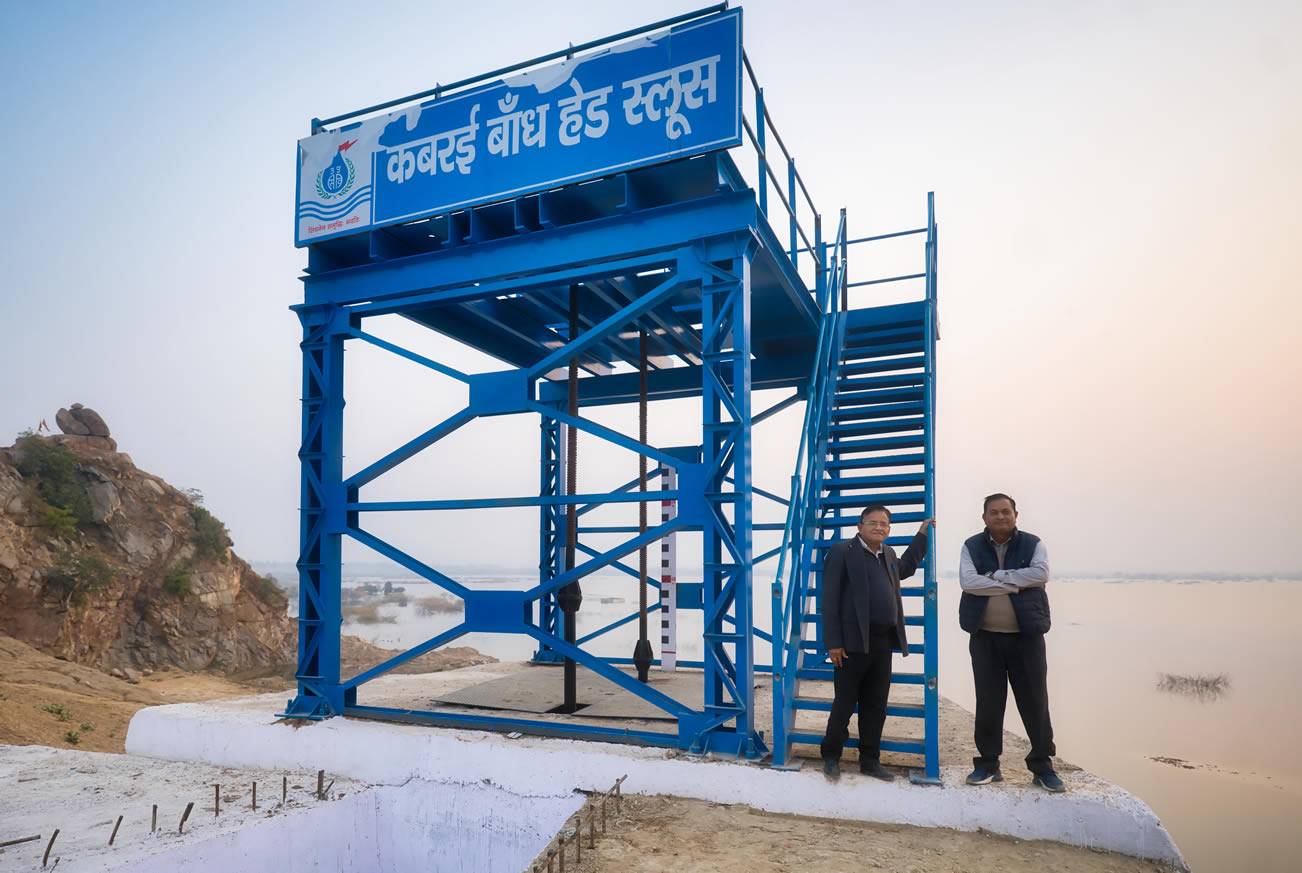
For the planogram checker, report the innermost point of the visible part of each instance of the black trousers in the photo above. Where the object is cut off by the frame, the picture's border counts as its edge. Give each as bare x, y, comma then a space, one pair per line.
1000, 660
862, 680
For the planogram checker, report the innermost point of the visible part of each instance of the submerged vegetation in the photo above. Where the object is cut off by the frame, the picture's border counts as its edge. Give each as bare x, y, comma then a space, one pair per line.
1203, 686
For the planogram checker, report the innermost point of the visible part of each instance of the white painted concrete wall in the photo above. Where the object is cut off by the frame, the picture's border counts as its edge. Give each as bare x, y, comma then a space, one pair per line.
427, 826
338, 836
445, 828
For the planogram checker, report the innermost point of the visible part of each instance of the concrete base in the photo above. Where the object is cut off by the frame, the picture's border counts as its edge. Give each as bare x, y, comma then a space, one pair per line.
245, 733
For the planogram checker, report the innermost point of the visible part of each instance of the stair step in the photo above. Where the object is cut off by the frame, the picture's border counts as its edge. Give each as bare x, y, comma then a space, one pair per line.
905, 590
902, 332
891, 498
871, 383
815, 617
823, 545
868, 411
906, 362
813, 646
890, 480
889, 744
873, 352
834, 521
907, 394
840, 432
823, 673
822, 704
907, 459
910, 317
881, 444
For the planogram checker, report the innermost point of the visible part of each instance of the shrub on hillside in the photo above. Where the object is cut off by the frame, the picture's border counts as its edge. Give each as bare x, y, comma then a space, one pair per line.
59, 522
266, 589
210, 536
78, 574
51, 471
177, 580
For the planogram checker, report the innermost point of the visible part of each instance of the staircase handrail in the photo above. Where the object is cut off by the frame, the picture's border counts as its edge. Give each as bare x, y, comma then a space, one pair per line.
802, 507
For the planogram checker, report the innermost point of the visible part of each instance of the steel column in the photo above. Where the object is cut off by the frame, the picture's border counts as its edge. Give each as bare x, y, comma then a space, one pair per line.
320, 516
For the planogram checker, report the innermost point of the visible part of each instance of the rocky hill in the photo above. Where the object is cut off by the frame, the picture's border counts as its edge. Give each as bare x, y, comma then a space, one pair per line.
108, 566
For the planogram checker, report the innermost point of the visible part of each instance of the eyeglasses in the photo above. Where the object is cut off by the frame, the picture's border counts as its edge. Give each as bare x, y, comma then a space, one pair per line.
875, 523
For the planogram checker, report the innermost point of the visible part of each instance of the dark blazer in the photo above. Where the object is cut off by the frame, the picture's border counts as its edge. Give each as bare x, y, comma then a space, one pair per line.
845, 592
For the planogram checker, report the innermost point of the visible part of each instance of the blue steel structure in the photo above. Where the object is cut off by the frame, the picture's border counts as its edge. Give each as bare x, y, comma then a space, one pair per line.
684, 249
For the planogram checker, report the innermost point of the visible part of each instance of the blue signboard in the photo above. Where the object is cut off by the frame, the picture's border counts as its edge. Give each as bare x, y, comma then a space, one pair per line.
664, 96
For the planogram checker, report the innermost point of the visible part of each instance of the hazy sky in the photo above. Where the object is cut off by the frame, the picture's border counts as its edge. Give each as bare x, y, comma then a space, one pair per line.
1117, 187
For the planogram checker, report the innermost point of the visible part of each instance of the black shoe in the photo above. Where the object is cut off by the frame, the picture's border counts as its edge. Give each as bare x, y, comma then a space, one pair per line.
1049, 781
877, 771
832, 769
982, 776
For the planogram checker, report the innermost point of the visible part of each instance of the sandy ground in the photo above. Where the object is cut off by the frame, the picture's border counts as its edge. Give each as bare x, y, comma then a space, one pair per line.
654, 834
97, 707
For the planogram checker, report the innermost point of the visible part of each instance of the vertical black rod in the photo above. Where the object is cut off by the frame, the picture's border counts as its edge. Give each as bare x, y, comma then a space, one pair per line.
571, 595
642, 651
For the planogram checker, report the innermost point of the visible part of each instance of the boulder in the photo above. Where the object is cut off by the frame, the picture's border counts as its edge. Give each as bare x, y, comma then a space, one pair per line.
95, 425
86, 444
104, 501
69, 424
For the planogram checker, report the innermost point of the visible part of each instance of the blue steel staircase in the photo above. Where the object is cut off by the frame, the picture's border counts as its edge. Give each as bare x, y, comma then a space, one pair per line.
869, 435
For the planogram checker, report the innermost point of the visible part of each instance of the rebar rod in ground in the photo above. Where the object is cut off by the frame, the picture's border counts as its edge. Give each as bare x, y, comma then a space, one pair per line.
153, 819
320, 780
255, 795
19, 841
216, 799
592, 833
50, 845
284, 789
578, 839
180, 829
113, 836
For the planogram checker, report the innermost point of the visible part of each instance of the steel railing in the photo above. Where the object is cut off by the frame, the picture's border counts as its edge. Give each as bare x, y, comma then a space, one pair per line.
790, 581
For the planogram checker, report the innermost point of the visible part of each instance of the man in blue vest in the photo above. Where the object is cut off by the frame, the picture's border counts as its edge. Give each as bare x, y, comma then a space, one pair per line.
863, 623
1003, 571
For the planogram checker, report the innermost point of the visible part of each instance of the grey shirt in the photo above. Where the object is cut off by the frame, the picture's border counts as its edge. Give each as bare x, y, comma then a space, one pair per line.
999, 615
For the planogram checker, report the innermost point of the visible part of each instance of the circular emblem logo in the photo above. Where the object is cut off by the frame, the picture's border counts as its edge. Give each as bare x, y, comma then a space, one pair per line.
335, 180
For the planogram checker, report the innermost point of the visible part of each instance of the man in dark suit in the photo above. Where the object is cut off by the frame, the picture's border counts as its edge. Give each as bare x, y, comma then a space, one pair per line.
863, 623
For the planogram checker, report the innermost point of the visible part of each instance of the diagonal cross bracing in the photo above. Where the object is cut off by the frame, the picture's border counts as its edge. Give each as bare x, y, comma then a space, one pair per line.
629, 313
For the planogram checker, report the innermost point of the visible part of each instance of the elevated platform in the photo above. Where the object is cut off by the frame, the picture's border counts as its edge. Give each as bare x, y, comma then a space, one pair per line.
242, 733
